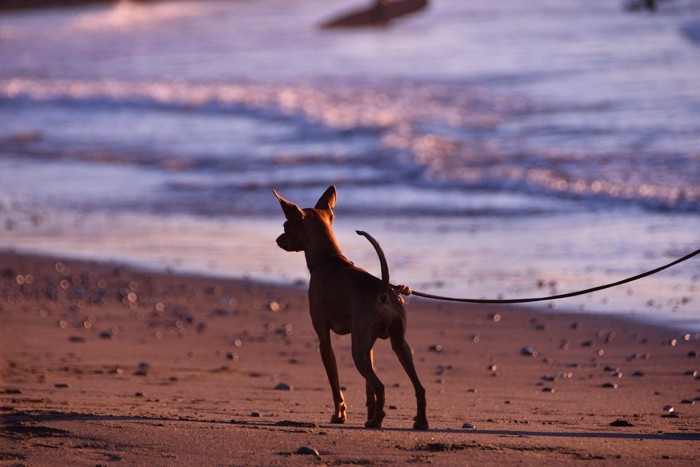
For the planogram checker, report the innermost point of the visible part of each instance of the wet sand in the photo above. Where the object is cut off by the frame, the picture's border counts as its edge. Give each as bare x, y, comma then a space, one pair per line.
106, 365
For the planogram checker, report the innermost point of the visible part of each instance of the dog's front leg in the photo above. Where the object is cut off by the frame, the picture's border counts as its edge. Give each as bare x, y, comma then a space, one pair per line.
329, 363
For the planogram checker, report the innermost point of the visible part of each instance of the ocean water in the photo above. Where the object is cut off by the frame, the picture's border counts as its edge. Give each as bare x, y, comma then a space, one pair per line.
495, 149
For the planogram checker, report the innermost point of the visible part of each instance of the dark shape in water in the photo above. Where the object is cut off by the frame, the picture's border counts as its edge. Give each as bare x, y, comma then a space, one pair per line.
379, 14
636, 5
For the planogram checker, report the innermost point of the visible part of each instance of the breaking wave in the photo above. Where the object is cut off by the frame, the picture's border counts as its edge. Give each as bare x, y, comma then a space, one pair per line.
424, 134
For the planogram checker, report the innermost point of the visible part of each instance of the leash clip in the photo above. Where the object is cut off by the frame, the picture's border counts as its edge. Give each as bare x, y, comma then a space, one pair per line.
403, 289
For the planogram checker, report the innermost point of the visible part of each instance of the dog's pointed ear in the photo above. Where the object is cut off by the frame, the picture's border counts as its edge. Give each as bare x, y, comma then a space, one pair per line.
327, 199
291, 210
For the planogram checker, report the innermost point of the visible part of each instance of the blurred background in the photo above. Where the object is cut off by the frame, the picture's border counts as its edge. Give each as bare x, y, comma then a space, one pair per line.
493, 148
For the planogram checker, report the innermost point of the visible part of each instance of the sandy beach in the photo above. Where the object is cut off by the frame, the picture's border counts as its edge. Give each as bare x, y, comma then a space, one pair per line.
107, 365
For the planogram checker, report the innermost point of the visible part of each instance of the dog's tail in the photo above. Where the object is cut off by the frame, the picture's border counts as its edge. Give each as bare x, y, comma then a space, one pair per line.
382, 259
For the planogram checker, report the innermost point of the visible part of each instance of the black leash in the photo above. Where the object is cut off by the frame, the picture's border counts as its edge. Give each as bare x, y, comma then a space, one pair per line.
407, 291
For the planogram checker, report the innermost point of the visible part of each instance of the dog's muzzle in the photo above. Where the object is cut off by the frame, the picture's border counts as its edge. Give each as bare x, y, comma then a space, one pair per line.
284, 242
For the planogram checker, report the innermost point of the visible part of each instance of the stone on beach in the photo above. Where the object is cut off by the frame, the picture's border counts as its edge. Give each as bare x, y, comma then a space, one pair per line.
308, 451
143, 369
620, 422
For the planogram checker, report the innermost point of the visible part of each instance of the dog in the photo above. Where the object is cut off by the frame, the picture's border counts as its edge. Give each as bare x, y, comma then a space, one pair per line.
348, 300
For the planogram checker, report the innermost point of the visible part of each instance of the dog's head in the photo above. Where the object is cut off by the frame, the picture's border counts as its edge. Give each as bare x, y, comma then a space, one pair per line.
303, 224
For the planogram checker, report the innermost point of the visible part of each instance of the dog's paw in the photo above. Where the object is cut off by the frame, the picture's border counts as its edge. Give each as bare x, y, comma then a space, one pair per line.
373, 423
339, 420
420, 425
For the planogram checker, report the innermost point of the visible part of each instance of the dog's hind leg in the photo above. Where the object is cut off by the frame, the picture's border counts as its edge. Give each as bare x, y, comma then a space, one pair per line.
362, 356
371, 397
404, 353
329, 363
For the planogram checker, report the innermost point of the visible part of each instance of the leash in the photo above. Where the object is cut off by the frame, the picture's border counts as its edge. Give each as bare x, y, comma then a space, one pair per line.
405, 290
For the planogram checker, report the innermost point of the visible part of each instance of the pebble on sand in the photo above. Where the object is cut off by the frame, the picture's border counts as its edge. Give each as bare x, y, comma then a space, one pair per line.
610, 385
143, 369
284, 387
442, 369
620, 422
468, 426
307, 451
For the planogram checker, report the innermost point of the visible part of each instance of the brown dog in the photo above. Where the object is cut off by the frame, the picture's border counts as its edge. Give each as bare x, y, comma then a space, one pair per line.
347, 299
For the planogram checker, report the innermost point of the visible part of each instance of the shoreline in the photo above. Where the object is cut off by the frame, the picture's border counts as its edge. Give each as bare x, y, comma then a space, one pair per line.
201, 270
109, 363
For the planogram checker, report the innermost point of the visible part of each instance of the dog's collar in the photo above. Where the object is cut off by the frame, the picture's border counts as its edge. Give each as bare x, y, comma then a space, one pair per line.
327, 258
